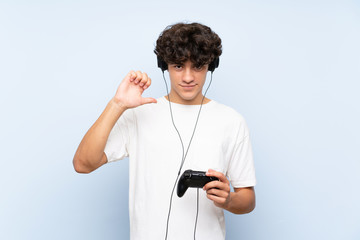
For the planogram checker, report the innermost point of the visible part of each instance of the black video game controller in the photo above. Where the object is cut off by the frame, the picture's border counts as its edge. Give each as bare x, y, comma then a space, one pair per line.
194, 179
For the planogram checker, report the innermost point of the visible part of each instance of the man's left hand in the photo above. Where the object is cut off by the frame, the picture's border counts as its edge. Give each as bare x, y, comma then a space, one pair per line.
218, 191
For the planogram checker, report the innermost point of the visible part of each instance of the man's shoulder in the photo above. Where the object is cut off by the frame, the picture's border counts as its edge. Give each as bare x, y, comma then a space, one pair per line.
226, 111
229, 120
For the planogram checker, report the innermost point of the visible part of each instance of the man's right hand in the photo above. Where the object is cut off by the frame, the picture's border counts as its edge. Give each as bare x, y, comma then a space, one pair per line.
90, 153
128, 94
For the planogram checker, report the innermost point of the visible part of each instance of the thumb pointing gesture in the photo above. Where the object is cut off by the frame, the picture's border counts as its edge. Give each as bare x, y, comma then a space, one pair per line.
129, 92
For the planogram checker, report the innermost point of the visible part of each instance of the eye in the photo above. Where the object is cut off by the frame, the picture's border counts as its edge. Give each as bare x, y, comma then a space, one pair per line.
199, 68
177, 66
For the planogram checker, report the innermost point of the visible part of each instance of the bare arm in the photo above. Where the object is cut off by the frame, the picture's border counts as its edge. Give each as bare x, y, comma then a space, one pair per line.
90, 153
241, 201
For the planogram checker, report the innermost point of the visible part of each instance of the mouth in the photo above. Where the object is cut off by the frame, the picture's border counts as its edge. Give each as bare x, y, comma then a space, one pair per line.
188, 87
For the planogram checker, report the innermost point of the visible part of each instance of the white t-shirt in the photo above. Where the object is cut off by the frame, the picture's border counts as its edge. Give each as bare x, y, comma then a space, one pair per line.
146, 135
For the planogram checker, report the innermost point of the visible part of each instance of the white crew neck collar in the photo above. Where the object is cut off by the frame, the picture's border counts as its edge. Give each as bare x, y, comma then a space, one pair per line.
211, 102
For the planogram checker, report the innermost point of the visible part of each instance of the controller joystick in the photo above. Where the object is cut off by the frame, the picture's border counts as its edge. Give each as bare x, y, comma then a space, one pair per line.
194, 179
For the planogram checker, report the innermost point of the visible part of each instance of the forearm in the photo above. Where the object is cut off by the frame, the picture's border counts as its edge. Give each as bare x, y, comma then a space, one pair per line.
241, 201
89, 154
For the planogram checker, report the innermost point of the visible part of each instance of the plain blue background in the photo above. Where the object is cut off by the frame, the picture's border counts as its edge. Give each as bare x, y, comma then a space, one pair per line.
291, 68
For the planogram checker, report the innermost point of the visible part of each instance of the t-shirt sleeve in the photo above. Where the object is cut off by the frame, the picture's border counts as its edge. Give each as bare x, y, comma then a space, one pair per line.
117, 144
241, 169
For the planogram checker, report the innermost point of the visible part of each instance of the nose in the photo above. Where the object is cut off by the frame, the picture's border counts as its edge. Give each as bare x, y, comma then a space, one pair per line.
188, 76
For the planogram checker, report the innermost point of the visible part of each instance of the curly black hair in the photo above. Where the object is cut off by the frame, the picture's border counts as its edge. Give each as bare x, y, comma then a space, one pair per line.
183, 41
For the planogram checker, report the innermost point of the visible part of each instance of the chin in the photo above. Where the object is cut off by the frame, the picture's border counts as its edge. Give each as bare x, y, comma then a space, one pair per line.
188, 97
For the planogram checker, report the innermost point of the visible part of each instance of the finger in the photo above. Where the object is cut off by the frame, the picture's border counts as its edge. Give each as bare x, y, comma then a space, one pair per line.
148, 100
216, 199
219, 175
138, 77
218, 192
132, 75
148, 83
128, 76
217, 184
144, 79
212, 184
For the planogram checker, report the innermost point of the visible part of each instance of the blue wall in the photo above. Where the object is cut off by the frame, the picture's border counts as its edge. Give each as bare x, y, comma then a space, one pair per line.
292, 68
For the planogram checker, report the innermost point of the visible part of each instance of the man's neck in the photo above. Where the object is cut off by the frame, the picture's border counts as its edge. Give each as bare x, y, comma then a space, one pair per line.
185, 102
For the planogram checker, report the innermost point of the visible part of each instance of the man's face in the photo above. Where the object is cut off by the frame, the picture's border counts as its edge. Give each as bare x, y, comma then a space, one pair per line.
187, 82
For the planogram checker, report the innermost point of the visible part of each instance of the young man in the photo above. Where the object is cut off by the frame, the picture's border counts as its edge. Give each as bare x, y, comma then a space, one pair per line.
163, 136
